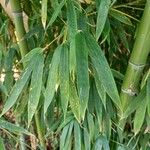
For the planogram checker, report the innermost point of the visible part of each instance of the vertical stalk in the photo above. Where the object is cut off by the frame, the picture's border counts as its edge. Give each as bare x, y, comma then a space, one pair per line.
19, 26
137, 60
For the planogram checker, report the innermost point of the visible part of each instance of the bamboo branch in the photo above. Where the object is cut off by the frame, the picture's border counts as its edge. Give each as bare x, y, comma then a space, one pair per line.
137, 60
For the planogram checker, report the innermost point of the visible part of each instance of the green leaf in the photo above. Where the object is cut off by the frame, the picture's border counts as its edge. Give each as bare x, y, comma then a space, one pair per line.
65, 136
31, 54
18, 88
3, 89
35, 87
12, 128
148, 95
56, 13
139, 117
117, 74
120, 16
102, 142
2, 146
87, 142
100, 88
68, 140
77, 136
91, 126
102, 16
8, 66
72, 29
1, 56
74, 101
44, 12
52, 78
103, 70
64, 78
82, 71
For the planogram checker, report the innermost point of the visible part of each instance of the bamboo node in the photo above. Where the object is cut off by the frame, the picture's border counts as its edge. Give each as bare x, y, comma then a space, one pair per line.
137, 66
129, 91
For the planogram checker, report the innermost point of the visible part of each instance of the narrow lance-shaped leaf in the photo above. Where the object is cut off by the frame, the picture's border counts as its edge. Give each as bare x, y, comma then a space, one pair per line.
102, 16
44, 12
87, 142
148, 96
120, 16
65, 133
12, 128
18, 87
100, 88
72, 29
102, 142
64, 78
35, 87
52, 78
56, 13
74, 101
103, 70
2, 145
139, 116
82, 71
68, 140
77, 136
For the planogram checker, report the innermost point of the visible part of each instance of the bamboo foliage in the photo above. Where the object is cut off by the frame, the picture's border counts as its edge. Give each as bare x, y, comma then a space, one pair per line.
72, 92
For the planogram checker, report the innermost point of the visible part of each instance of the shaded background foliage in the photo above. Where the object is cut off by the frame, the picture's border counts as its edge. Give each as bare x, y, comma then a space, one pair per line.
67, 94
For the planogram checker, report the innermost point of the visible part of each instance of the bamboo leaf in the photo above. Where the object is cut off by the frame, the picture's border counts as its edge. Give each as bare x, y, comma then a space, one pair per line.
101, 66
56, 13
64, 78
12, 128
139, 117
87, 142
102, 142
91, 126
72, 29
66, 133
52, 78
102, 16
44, 12
18, 88
8, 65
31, 54
148, 95
120, 16
2, 146
74, 101
82, 71
68, 140
35, 87
77, 136
100, 89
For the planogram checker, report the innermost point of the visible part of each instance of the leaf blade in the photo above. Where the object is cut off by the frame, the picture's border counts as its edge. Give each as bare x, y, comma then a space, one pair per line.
102, 16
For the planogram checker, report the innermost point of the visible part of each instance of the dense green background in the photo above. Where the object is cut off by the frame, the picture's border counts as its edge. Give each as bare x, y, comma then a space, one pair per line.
71, 59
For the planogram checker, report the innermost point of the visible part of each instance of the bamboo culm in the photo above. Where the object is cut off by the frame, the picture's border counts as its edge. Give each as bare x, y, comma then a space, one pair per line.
138, 58
19, 26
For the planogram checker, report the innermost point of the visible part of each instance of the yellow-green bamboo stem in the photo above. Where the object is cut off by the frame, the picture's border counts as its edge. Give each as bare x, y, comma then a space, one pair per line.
19, 26
138, 59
